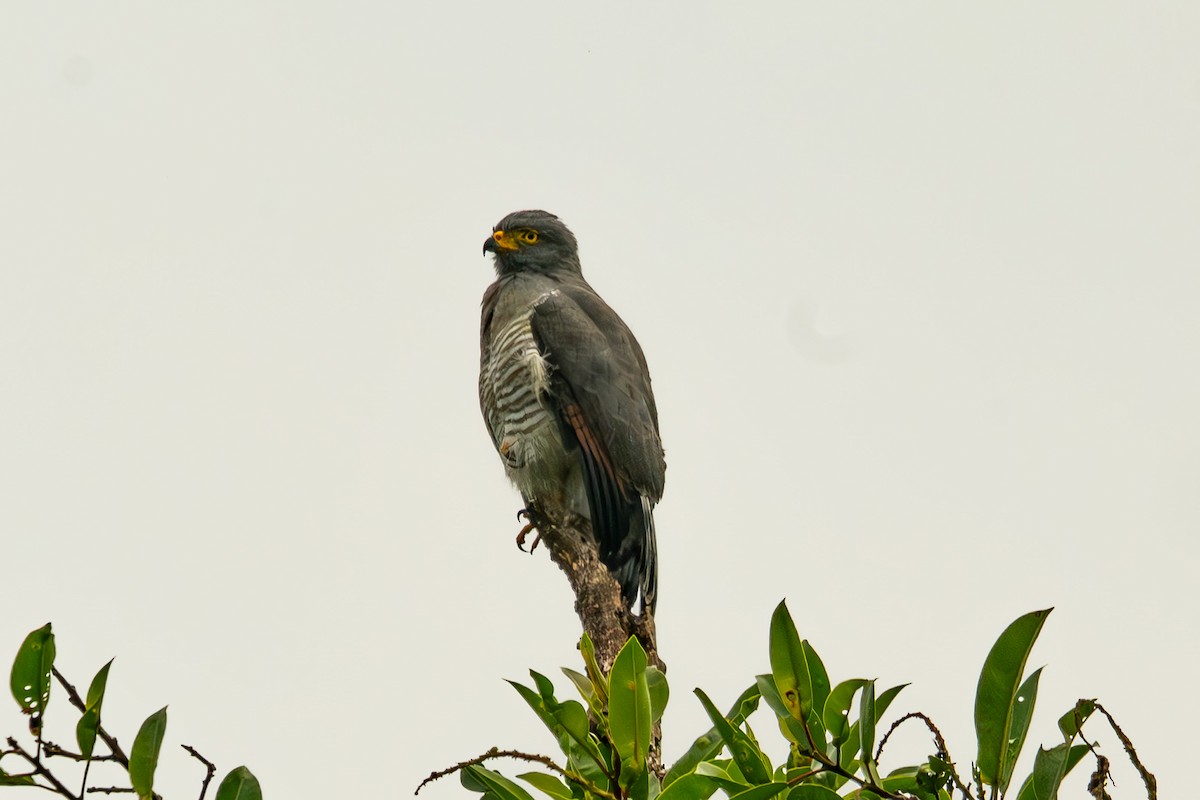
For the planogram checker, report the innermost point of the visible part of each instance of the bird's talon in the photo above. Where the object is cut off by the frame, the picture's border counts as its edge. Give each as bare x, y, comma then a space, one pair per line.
524, 532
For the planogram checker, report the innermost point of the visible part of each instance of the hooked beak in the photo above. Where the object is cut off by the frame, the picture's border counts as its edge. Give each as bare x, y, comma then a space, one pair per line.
498, 241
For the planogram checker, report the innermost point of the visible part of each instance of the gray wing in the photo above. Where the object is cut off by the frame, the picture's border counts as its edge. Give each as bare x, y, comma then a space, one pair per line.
599, 363
601, 387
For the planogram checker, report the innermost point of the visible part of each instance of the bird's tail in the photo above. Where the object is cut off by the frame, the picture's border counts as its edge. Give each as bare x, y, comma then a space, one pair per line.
635, 562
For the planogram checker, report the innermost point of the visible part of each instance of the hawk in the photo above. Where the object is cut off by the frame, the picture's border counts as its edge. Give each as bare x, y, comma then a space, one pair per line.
565, 393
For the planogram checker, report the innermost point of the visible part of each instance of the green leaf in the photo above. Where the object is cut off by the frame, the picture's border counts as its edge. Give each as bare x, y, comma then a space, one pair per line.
629, 722
884, 700
1022, 712
588, 651
1070, 722
568, 722
656, 684
497, 784
996, 694
544, 687
762, 792
836, 713
31, 673
89, 723
583, 684
816, 729
866, 729
25, 779
239, 784
1050, 767
689, 787
548, 784
812, 791
745, 751
847, 760
143, 758
717, 772
789, 664
818, 676
789, 726
709, 744
769, 692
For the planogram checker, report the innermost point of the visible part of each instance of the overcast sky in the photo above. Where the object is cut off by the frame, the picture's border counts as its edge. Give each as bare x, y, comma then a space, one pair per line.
917, 284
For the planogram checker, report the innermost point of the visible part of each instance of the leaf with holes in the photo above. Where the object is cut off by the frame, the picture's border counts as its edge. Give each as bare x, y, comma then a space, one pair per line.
1022, 712
1070, 722
848, 759
31, 673
836, 713
789, 726
789, 664
996, 694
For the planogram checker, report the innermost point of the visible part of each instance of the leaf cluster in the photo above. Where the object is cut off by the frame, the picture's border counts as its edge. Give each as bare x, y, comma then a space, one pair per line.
831, 730
31, 680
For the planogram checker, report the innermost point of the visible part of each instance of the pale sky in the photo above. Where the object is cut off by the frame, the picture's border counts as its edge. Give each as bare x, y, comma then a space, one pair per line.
917, 284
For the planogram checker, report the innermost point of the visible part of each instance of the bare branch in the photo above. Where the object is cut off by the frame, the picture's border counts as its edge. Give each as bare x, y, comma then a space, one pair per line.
1147, 777
40, 770
118, 754
211, 768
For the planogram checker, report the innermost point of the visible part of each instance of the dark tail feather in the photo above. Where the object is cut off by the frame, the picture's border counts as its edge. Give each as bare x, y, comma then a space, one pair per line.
635, 562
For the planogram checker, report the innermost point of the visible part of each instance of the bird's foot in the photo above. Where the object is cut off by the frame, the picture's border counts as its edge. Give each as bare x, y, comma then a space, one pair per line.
531, 525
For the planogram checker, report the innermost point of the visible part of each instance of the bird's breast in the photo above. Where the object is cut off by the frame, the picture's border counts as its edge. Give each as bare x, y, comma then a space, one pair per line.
515, 386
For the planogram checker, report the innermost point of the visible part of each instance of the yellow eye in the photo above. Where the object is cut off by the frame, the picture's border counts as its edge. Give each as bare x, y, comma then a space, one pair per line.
528, 237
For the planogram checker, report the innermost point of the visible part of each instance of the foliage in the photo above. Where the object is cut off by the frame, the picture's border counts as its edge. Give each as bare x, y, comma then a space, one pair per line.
33, 674
833, 741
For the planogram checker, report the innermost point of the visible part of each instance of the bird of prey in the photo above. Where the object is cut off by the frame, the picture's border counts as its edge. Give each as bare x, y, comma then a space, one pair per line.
565, 393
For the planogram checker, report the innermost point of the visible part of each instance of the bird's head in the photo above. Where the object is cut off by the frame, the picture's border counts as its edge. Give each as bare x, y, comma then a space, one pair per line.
532, 241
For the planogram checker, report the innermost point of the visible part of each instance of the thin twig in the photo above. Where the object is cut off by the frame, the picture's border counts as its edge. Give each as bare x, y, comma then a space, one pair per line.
496, 752
40, 770
208, 765
109, 790
118, 754
1147, 777
943, 752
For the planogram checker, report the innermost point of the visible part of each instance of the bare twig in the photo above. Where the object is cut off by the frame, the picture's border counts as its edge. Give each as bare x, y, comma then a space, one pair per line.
1147, 777
40, 770
109, 790
118, 754
211, 768
942, 751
